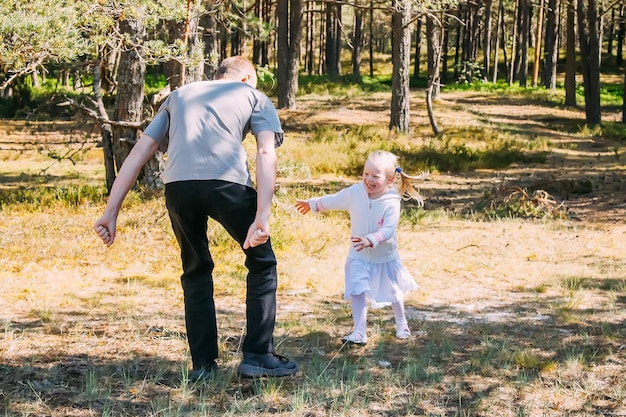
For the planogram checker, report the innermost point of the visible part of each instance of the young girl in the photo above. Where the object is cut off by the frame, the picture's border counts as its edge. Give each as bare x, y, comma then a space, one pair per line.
373, 269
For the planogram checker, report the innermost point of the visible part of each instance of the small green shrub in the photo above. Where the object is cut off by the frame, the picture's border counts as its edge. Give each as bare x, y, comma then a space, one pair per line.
36, 198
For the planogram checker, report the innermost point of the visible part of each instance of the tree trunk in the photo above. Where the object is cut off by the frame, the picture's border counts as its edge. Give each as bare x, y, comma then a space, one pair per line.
289, 36
418, 48
487, 40
611, 35
400, 57
430, 111
106, 131
521, 71
539, 32
570, 56
496, 52
129, 98
186, 69
468, 34
619, 57
443, 75
589, 51
321, 62
551, 48
209, 37
282, 77
237, 38
333, 39
434, 54
600, 27
371, 38
309, 39
357, 39
457, 42
514, 46
624, 98
259, 46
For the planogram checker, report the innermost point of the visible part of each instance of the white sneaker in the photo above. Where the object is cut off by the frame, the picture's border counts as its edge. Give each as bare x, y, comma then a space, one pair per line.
403, 333
355, 338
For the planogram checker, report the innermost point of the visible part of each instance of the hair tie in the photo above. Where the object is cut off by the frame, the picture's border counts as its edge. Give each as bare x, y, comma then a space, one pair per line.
398, 170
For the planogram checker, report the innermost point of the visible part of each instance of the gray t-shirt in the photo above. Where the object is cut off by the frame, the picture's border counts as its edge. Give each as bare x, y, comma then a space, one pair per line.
202, 125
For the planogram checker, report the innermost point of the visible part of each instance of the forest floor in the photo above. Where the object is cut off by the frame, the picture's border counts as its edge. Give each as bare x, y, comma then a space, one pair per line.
513, 317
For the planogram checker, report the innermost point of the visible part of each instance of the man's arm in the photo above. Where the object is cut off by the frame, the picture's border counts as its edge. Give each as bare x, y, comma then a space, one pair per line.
143, 150
259, 231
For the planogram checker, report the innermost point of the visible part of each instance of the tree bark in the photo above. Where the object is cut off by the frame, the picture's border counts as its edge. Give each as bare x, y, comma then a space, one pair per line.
457, 41
487, 40
551, 47
289, 36
539, 33
418, 48
514, 45
589, 51
129, 100
309, 56
443, 75
209, 37
371, 38
619, 57
333, 40
106, 130
185, 69
496, 52
400, 57
624, 97
434, 54
357, 40
570, 58
433, 27
521, 70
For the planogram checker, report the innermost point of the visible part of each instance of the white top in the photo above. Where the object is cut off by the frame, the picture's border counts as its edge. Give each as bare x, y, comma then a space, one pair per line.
375, 219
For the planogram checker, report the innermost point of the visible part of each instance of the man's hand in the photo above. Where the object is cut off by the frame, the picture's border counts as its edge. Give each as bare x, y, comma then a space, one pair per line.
105, 229
256, 236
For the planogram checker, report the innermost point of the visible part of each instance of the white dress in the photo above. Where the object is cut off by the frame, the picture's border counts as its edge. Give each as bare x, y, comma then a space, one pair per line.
383, 283
377, 270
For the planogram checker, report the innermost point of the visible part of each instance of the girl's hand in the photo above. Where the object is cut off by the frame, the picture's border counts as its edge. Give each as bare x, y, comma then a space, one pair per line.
360, 243
303, 206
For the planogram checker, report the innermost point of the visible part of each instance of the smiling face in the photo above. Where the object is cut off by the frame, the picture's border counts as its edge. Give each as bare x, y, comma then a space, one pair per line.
377, 178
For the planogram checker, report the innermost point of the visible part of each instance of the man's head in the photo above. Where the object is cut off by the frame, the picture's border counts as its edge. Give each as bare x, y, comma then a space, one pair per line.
237, 68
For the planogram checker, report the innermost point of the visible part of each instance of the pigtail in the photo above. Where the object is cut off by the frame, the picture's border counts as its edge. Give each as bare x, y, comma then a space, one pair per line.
406, 188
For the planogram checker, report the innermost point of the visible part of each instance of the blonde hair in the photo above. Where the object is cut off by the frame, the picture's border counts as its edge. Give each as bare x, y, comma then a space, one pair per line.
389, 162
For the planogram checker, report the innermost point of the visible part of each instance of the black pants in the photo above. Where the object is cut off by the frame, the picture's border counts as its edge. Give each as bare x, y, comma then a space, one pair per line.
190, 204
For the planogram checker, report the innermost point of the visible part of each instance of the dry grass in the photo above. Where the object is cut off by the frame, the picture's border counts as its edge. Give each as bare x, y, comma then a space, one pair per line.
521, 317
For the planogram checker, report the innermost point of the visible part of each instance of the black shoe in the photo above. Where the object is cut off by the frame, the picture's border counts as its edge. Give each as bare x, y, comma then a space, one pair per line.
204, 373
265, 364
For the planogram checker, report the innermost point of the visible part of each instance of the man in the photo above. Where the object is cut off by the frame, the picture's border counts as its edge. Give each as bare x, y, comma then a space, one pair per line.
201, 126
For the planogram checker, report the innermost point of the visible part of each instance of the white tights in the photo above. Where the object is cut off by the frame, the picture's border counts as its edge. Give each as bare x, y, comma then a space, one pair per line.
359, 313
